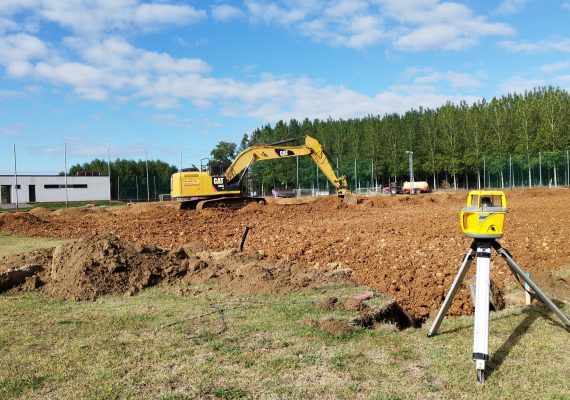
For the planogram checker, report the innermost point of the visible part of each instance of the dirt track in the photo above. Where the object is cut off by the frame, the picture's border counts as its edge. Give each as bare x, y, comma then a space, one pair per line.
410, 247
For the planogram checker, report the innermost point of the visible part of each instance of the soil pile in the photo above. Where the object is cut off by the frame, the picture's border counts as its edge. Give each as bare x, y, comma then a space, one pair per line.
105, 264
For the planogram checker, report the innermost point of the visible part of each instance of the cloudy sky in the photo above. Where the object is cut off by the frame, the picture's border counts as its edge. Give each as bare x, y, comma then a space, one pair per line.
176, 76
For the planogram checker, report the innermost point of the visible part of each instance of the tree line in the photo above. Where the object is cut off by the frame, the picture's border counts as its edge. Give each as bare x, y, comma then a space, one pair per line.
448, 142
128, 177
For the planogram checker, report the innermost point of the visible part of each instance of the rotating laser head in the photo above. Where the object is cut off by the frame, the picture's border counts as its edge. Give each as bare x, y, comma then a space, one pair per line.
484, 215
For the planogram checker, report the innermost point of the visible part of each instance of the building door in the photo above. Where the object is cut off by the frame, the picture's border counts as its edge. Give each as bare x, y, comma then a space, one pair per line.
5, 194
32, 193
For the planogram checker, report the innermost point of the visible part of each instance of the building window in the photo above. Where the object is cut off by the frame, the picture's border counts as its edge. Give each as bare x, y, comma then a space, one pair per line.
74, 186
18, 187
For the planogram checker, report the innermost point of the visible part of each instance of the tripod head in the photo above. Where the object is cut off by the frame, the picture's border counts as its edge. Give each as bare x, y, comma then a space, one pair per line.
484, 215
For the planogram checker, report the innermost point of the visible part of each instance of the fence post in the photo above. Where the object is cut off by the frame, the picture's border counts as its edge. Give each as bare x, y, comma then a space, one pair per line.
355, 176
317, 169
484, 174
539, 168
511, 170
567, 169
372, 172
297, 159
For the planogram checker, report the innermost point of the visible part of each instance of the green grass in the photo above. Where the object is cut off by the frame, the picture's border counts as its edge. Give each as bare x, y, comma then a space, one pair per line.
59, 205
158, 345
125, 348
11, 244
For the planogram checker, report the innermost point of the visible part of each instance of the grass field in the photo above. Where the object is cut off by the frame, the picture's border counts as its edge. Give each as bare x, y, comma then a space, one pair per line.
10, 244
60, 205
158, 345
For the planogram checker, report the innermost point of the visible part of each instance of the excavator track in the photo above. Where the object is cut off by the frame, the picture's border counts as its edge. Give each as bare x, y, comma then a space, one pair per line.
232, 203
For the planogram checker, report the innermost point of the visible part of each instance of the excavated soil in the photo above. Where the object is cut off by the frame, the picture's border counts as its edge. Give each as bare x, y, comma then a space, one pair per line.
105, 264
407, 246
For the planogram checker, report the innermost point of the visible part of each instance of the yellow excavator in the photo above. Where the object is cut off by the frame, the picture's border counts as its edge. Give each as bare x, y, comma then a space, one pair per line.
217, 186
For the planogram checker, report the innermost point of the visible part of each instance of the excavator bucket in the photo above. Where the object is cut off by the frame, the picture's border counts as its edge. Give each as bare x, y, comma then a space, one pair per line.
349, 199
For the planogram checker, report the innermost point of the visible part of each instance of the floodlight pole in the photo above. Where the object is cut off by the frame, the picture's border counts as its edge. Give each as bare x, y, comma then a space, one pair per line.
297, 159
411, 163
109, 173
16, 179
65, 171
147, 185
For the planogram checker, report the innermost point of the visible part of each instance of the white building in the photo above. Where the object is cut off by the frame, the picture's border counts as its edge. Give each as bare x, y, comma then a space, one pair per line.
51, 188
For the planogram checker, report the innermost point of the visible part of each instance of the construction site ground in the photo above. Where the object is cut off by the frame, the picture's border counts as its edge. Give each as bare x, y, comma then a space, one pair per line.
408, 247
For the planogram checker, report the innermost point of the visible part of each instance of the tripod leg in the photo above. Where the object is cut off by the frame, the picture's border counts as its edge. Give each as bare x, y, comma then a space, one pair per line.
481, 330
520, 273
452, 291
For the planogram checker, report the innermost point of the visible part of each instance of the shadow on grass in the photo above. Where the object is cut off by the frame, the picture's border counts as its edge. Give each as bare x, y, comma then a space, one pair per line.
532, 313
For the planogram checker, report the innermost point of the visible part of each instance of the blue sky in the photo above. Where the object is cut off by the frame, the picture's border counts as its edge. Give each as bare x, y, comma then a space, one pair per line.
178, 76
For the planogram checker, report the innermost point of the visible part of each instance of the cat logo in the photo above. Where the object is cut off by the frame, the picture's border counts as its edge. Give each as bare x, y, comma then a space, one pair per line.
284, 153
218, 181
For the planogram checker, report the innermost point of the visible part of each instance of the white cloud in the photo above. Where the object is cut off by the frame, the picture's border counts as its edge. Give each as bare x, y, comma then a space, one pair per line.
350, 23
96, 17
511, 6
226, 12
79, 147
566, 5
555, 67
519, 84
456, 80
417, 25
16, 52
429, 25
555, 44
11, 131
7, 24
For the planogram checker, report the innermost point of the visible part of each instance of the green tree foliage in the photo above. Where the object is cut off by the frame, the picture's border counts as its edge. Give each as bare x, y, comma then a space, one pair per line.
128, 175
449, 143
224, 151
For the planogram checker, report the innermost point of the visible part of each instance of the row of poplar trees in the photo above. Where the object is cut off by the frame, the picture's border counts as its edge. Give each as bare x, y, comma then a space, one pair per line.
449, 142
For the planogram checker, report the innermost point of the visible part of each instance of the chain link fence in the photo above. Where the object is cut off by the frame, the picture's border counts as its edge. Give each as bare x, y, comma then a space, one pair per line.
550, 169
135, 188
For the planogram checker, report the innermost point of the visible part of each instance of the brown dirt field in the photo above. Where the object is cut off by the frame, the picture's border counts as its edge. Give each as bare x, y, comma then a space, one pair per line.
407, 246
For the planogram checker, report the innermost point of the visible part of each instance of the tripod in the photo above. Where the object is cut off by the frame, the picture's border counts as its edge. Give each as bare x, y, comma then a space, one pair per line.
482, 249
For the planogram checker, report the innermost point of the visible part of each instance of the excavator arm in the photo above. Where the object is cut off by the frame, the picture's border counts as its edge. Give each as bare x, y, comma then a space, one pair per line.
269, 152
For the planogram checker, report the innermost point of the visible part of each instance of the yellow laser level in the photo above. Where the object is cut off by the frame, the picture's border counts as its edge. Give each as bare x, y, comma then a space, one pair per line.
484, 215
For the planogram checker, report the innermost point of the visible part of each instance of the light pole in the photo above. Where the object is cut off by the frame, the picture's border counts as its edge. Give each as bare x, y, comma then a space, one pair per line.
411, 161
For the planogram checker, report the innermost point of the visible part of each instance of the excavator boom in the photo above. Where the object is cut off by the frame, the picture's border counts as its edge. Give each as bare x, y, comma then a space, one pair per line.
311, 147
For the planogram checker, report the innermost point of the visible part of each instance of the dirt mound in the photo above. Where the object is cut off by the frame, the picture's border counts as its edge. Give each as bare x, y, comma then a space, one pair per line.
101, 264
39, 211
80, 211
105, 264
10, 222
255, 208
